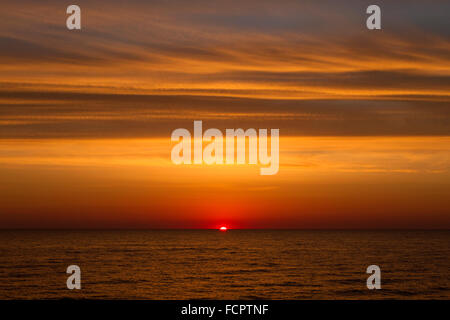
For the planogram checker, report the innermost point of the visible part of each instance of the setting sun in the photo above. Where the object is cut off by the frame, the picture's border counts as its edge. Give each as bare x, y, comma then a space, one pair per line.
223, 229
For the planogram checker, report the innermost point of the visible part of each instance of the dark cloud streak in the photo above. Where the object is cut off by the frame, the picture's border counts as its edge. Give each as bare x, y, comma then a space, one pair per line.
73, 115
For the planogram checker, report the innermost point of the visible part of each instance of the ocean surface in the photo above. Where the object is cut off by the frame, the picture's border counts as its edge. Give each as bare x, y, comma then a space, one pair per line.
237, 264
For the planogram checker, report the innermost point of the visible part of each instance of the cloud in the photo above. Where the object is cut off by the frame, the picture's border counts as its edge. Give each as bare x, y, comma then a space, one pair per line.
305, 67
27, 114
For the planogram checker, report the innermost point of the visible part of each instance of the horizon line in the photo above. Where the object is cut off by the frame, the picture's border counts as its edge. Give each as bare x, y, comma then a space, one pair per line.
228, 229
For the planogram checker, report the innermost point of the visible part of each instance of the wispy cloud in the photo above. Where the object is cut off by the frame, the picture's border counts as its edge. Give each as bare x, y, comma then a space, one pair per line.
259, 49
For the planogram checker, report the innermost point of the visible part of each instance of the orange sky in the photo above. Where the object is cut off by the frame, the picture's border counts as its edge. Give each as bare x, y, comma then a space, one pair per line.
322, 182
86, 116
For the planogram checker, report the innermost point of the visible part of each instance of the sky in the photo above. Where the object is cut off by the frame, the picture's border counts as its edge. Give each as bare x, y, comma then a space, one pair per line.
86, 116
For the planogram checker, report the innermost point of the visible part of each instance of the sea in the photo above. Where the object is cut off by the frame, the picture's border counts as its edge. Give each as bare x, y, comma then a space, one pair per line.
236, 264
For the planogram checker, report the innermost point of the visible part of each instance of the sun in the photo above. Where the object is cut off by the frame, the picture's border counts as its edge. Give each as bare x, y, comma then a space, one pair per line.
223, 229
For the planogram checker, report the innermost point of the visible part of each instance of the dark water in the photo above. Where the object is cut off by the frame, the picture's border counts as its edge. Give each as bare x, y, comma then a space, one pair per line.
238, 264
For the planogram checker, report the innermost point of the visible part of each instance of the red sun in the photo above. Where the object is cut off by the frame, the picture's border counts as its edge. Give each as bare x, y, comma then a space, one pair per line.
223, 229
